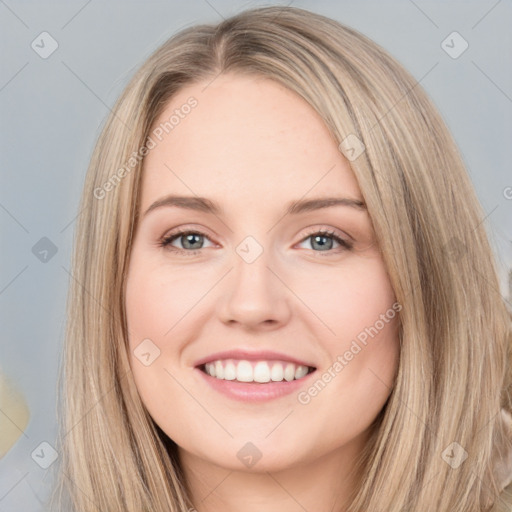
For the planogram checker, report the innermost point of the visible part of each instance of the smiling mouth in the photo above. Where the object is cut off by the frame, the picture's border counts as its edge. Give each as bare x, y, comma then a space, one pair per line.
260, 372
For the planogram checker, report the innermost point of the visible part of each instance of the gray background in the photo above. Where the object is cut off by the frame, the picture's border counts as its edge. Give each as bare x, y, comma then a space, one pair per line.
51, 111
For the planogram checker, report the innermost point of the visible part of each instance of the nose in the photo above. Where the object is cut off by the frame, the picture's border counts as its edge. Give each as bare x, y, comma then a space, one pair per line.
254, 295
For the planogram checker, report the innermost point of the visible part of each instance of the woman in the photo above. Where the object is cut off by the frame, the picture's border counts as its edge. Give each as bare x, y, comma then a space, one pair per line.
283, 294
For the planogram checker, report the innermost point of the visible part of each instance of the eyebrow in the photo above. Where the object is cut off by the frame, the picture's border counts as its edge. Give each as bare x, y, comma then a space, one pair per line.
205, 205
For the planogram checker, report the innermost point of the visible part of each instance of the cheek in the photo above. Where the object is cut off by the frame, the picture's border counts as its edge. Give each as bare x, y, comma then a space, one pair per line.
149, 307
154, 304
157, 299
350, 300
360, 309
152, 309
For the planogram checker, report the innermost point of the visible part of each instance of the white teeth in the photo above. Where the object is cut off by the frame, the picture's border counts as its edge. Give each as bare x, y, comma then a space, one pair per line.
219, 370
260, 371
301, 371
230, 371
277, 373
289, 372
244, 372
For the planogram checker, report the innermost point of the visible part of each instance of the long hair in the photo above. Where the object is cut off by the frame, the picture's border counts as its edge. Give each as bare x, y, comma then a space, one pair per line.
453, 377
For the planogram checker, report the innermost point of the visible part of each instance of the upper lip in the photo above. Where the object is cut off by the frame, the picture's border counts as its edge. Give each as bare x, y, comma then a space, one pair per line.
249, 355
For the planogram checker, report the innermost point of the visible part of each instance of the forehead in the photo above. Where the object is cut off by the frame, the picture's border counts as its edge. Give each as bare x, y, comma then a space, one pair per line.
245, 137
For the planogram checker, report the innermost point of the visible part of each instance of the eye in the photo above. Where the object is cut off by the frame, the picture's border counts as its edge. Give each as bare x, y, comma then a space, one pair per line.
323, 240
191, 241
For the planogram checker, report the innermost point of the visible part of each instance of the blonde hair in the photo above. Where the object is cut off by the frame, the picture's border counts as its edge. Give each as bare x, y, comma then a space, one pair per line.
453, 376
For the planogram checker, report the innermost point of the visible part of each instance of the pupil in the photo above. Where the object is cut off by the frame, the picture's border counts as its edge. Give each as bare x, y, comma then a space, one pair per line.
323, 245
190, 239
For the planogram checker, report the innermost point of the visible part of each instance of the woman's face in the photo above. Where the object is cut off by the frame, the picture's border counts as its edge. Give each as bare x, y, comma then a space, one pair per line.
267, 271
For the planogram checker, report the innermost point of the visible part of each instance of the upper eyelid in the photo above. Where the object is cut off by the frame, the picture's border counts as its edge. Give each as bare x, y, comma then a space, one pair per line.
186, 231
324, 230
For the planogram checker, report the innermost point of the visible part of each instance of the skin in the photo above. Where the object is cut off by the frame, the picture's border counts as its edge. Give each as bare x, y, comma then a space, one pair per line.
253, 146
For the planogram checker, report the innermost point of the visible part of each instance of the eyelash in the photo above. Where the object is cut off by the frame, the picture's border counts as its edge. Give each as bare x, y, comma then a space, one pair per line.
165, 242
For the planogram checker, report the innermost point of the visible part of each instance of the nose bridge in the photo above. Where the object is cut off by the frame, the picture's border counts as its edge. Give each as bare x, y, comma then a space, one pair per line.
252, 264
253, 294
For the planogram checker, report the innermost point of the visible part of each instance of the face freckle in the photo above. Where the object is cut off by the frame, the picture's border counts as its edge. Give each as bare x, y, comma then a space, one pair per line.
260, 278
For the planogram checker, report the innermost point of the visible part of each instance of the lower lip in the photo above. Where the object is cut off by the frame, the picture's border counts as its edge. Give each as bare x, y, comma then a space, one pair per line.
254, 391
